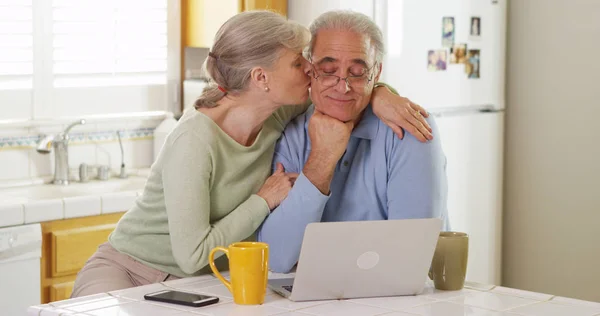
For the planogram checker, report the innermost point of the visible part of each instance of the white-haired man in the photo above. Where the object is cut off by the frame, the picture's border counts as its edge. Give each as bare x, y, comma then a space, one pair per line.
351, 165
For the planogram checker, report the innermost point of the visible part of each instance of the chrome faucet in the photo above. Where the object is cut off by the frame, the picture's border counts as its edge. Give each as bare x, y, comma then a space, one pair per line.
60, 143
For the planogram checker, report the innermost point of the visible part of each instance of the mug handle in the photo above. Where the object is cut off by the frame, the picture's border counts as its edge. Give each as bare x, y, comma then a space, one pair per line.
211, 261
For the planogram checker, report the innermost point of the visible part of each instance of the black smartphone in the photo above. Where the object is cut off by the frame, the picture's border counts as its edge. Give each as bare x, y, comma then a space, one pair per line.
182, 298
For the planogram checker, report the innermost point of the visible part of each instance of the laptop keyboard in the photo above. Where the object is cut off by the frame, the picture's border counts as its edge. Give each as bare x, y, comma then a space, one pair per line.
287, 287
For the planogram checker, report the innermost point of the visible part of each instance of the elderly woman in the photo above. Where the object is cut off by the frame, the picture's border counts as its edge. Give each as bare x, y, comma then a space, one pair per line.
211, 184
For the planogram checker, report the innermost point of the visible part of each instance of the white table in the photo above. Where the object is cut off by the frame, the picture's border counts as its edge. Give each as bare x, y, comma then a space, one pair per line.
473, 300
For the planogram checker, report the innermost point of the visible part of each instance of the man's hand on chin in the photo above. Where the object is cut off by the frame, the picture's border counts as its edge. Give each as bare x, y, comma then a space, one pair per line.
329, 138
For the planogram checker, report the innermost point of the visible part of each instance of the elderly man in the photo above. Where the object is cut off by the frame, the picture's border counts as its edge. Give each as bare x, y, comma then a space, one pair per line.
351, 165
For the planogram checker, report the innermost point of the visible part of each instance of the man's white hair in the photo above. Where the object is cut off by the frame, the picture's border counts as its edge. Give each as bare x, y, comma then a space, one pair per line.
348, 21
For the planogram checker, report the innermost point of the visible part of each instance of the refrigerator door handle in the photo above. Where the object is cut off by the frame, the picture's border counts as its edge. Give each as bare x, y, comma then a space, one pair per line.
461, 110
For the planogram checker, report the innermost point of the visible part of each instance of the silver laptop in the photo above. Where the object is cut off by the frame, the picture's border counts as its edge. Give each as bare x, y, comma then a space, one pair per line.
342, 260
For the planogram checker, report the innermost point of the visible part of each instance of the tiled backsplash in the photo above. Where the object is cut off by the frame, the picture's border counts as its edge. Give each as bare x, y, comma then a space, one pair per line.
94, 145
13, 142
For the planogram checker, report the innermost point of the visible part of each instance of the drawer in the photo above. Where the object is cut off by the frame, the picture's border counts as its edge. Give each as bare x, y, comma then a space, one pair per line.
71, 248
61, 291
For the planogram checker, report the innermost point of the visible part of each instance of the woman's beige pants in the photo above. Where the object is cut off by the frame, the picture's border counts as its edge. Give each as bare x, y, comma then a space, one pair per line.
109, 270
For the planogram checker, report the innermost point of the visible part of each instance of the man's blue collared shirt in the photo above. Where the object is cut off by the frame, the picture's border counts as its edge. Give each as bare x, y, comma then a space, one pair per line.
379, 177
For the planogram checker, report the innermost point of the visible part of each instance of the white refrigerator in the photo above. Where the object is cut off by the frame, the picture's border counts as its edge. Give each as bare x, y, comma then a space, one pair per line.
449, 56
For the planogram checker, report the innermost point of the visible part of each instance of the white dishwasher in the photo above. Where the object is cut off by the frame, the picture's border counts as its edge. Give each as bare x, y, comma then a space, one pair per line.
20, 253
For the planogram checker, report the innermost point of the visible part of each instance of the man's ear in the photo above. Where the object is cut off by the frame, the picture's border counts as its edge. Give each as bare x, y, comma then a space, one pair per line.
379, 68
259, 77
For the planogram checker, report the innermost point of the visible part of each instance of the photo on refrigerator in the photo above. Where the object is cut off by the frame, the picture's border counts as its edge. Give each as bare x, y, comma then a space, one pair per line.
475, 31
458, 54
472, 65
437, 60
447, 31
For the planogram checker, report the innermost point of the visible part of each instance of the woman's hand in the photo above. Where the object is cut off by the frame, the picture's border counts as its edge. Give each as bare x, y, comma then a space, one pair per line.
400, 113
277, 187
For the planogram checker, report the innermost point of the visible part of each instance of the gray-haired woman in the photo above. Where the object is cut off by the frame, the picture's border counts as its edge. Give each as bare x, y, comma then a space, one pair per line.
211, 184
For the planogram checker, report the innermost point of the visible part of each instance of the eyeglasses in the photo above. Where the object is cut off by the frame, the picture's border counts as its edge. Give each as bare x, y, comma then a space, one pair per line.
354, 82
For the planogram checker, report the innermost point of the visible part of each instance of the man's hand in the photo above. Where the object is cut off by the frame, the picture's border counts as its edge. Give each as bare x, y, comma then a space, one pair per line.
400, 113
329, 138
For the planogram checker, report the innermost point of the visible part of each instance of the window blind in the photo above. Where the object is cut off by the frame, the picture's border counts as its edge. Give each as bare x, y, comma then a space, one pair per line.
109, 42
16, 44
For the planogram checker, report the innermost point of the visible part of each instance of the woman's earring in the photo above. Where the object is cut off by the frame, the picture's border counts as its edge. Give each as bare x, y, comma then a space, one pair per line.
267, 89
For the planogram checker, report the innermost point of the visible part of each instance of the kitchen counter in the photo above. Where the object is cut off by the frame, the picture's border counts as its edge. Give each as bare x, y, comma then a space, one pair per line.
473, 300
37, 203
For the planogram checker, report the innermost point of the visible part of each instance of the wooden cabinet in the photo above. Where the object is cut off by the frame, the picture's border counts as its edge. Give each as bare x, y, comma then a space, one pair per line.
66, 246
61, 291
201, 19
278, 6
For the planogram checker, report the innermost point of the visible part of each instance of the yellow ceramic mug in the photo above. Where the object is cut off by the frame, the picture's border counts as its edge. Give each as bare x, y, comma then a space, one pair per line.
248, 270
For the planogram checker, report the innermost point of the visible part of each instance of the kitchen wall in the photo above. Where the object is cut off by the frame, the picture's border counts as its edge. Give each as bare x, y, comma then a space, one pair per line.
552, 173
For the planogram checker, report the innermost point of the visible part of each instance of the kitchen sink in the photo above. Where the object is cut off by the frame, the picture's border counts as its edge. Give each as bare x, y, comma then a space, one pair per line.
49, 191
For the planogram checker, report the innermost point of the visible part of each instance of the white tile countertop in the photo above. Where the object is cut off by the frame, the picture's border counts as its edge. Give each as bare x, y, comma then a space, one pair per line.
473, 300
46, 202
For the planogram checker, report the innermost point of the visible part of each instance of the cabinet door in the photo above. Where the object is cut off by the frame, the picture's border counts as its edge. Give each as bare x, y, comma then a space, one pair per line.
61, 291
203, 18
73, 247
66, 245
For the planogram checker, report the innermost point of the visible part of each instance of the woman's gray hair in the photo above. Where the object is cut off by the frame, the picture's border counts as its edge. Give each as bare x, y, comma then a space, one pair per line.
247, 40
349, 21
